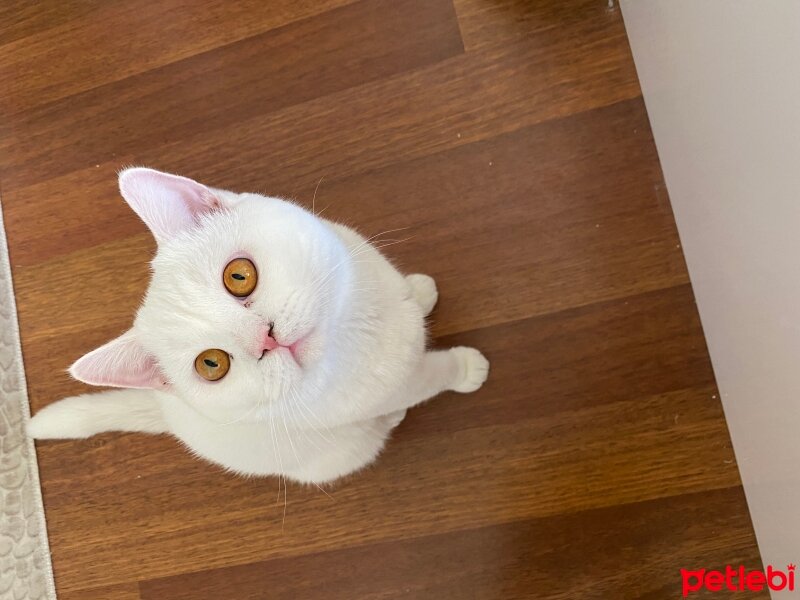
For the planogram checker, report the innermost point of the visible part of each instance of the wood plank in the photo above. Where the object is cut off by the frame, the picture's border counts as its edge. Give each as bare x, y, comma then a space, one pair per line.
126, 591
134, 37
214, 90
496, 23
560, 450
623, 551
20, 18
412, 115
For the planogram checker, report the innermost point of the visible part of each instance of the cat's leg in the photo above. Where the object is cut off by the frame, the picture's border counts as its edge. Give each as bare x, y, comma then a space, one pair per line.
89, 414
459, 369
423, 287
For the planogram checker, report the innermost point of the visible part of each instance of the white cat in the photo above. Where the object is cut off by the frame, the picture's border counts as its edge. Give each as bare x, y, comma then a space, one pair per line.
270, 341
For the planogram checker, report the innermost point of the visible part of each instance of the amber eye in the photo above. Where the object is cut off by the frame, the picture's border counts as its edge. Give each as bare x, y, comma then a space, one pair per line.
212, 364
240, 277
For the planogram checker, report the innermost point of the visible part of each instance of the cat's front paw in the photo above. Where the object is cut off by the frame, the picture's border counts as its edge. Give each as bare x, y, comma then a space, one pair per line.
473, 369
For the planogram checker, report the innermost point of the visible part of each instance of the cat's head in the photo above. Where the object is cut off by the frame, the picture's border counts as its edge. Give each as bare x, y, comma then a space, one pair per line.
243, 303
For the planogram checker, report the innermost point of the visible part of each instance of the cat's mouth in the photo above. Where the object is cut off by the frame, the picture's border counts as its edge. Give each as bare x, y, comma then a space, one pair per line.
294, 349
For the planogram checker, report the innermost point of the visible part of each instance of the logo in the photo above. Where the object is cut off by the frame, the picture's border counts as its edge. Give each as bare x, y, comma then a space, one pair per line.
737, 580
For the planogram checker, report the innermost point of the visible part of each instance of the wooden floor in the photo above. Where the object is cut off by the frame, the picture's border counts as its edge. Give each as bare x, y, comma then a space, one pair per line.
512, 139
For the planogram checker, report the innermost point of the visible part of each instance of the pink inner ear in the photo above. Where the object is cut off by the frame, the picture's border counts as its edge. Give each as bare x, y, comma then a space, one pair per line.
166, 203
120, 363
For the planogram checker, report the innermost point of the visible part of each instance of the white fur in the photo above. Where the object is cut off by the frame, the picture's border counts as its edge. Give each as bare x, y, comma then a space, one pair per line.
362, 365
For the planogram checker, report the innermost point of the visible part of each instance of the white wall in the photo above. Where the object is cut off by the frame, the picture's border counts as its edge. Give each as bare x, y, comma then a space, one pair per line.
721, 80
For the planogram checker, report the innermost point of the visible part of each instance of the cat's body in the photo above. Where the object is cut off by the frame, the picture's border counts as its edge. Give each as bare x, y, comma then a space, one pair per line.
326, 353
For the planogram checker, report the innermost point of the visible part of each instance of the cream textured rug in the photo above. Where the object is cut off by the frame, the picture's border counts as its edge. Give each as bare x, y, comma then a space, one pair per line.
25, 569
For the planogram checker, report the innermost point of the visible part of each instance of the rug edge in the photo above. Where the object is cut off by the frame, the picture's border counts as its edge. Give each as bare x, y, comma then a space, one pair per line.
33, 463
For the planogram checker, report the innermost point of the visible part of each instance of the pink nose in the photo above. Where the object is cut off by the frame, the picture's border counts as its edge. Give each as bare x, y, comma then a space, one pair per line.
268, 342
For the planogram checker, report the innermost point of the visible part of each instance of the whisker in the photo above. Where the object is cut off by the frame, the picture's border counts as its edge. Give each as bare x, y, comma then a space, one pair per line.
297, 458
314, 416
355, 251
299, 429
302, 407
314, 198
285, 501
277, 452
308, 439
324, 492
393, 242
240, 419
289, 437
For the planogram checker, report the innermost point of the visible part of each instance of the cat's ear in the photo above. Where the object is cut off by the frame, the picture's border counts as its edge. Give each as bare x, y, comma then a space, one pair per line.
120, 363
166, 203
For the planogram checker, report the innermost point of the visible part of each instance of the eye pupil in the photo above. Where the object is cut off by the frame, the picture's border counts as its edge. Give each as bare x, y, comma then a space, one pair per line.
210, 363
238, 276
